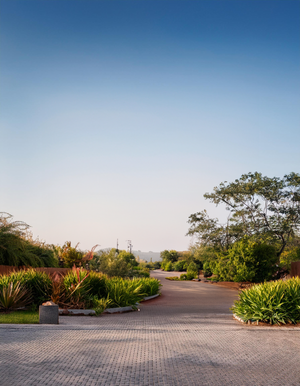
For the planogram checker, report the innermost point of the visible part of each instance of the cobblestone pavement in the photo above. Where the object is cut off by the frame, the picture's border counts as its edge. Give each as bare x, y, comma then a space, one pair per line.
185, 337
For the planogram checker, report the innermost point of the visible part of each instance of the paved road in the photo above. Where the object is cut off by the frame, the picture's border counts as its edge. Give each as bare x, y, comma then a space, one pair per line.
185, 337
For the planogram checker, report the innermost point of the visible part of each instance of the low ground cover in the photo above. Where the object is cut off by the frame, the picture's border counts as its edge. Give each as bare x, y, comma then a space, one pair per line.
275, 302
19, 317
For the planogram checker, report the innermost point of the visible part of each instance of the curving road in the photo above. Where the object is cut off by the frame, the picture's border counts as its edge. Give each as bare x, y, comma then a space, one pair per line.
185, 337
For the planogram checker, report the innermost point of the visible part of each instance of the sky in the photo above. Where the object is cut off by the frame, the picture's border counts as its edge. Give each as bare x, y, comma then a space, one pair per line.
117, 116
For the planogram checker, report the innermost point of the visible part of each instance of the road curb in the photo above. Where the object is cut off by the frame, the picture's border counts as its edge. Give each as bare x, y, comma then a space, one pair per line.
116, 310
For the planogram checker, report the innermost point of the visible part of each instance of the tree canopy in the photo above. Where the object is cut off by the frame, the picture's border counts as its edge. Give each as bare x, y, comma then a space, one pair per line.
260, 207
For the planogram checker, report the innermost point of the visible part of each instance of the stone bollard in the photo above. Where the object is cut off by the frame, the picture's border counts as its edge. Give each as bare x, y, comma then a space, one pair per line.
48, 313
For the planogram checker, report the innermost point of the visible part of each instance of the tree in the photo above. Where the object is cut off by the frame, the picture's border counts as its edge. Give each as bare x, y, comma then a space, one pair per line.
171, 256
263, 208
129, 258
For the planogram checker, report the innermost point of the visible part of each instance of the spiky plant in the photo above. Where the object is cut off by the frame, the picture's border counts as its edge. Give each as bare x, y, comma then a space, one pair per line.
13, 296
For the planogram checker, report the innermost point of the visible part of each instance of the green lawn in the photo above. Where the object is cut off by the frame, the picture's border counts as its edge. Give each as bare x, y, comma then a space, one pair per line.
20, 317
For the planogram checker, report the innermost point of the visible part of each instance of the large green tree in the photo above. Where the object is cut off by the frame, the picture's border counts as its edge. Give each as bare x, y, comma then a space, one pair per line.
262, 208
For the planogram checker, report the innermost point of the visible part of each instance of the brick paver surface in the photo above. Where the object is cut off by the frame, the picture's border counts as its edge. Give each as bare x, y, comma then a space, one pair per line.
185, 337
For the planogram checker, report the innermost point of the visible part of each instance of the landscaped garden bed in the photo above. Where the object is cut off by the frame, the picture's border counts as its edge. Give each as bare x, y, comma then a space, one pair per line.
79, 289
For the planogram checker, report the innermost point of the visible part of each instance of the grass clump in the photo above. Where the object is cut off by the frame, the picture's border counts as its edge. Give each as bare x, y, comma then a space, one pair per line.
275, 302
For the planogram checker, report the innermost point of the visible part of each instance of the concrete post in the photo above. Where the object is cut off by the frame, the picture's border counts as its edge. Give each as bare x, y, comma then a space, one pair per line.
48, 313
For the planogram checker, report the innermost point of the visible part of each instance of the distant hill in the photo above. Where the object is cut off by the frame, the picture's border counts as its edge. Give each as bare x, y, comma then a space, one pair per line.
147, 256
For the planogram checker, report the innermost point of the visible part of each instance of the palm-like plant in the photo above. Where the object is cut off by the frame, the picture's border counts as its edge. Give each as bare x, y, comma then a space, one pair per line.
13, 296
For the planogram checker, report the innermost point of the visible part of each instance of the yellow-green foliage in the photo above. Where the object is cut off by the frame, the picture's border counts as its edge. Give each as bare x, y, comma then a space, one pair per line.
289, 255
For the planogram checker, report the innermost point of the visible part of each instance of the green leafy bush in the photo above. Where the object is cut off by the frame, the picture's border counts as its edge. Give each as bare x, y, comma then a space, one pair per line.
140, 272
100, 305
180, 265
187, 276
124, 292
192, 271
247, 260
157, 265
168, 266
93, 283
149, 286
274, 302
171, 256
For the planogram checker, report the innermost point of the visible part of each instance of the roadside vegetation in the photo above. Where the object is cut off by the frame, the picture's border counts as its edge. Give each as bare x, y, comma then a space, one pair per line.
276, 302
261, 236
78, 289
257, 244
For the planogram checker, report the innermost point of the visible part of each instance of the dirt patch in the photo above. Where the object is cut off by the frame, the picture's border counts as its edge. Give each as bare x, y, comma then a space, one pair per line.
232, 285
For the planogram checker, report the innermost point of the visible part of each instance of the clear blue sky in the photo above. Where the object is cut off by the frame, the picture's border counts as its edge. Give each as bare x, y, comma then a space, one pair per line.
117, 116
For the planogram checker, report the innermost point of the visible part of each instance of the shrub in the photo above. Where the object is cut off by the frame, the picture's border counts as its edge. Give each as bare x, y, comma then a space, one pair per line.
168, 266
139, 272
96, 284
77, 289
187, 276
173, 278
150, 286
247, 260
100, 305
157, 265
113, 264
273, 302
38, 284
180, 265
124, 292
13, 296
192, 270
